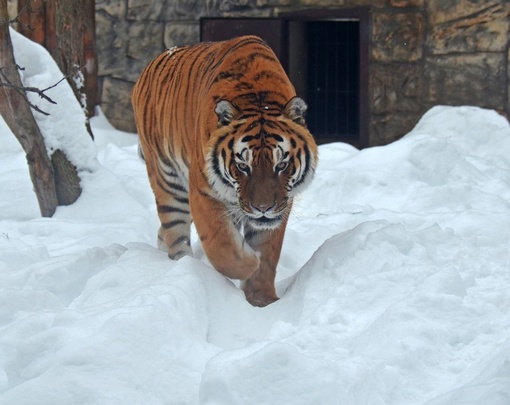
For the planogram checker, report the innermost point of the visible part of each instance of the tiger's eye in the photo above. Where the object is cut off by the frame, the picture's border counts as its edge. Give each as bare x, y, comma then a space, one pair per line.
242, 167
282, 166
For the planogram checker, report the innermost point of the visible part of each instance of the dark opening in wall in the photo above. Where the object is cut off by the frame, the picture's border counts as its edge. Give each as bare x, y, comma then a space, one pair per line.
324, 67
333, 78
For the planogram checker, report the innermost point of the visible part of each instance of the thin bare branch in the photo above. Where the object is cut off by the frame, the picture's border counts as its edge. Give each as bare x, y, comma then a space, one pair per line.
27, 8
22, 90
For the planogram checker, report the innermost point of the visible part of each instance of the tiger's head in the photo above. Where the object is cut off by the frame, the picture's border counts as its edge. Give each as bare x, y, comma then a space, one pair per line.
260, 158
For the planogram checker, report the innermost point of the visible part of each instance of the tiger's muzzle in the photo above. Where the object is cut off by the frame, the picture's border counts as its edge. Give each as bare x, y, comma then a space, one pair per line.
264, 215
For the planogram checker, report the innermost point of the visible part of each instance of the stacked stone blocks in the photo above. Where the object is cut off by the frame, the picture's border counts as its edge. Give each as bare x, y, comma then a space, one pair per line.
422, 52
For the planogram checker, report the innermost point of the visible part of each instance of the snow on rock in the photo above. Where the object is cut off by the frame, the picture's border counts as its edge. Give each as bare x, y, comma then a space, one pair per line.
64, 128
394, 283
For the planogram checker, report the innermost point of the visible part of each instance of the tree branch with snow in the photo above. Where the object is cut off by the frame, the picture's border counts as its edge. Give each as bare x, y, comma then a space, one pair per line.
57, 148
22, 90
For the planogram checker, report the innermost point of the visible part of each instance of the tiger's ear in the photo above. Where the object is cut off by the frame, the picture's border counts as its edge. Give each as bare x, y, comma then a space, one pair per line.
226, 111
295, 109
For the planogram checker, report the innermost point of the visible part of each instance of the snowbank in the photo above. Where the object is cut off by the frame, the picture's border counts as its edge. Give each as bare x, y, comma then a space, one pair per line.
394, 280
394, 284
64, 127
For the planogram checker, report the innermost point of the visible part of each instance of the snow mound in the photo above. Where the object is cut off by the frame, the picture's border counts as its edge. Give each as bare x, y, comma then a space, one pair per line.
394, 283
64, 128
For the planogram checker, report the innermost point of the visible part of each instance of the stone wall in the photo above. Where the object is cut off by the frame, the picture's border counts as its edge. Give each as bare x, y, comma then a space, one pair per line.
422, 52
431, 52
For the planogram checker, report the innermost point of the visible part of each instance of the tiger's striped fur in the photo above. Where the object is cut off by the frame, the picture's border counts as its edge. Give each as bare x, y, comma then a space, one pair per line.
226, 145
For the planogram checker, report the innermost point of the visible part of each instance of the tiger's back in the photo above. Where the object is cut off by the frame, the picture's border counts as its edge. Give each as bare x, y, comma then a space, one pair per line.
213, 119
183, 84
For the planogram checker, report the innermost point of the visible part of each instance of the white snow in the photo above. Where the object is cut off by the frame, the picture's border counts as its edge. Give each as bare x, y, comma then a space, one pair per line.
64, 127
394, 282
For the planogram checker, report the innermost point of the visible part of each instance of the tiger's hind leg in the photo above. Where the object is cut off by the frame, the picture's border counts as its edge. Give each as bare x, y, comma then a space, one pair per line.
173, 210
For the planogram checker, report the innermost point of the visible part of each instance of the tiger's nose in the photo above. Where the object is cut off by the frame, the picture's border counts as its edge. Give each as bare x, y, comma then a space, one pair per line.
263, 208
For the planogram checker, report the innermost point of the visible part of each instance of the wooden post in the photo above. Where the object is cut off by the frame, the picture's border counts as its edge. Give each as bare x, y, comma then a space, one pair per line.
90, 57
17, 114
42, 23
32, 17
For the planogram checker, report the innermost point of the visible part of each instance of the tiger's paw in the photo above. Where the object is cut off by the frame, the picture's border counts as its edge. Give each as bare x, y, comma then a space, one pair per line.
180, 254
260, 300
259, 297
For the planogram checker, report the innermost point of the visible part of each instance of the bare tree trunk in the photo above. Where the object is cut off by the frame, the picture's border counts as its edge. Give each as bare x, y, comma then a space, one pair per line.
18, 116
66, 179
58, 30
66, 28
73, 21
67, 18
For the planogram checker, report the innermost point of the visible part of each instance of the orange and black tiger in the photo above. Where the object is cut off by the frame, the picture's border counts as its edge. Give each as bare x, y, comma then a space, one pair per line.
226, 146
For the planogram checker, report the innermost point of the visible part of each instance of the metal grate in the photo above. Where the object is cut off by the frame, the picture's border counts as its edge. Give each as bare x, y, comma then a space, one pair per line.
333, 78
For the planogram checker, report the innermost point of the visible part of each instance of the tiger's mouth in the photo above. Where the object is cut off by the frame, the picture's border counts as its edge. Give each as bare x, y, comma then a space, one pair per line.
263, 217
264, 222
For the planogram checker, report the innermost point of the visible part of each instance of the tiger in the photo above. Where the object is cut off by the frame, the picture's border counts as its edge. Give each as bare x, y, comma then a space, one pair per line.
226, 147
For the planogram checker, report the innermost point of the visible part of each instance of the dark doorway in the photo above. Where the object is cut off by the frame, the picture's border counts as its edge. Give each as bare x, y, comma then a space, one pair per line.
325, 57
324, 67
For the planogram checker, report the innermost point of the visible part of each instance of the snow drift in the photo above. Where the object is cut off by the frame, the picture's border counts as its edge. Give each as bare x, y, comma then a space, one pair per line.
394, 283
64, 128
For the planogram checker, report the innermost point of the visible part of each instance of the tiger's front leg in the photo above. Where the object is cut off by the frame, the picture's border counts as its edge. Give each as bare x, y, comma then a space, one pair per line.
223, 244
259, 288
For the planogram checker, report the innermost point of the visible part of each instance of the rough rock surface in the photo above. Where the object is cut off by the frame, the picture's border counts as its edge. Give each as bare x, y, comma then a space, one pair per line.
421, 53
